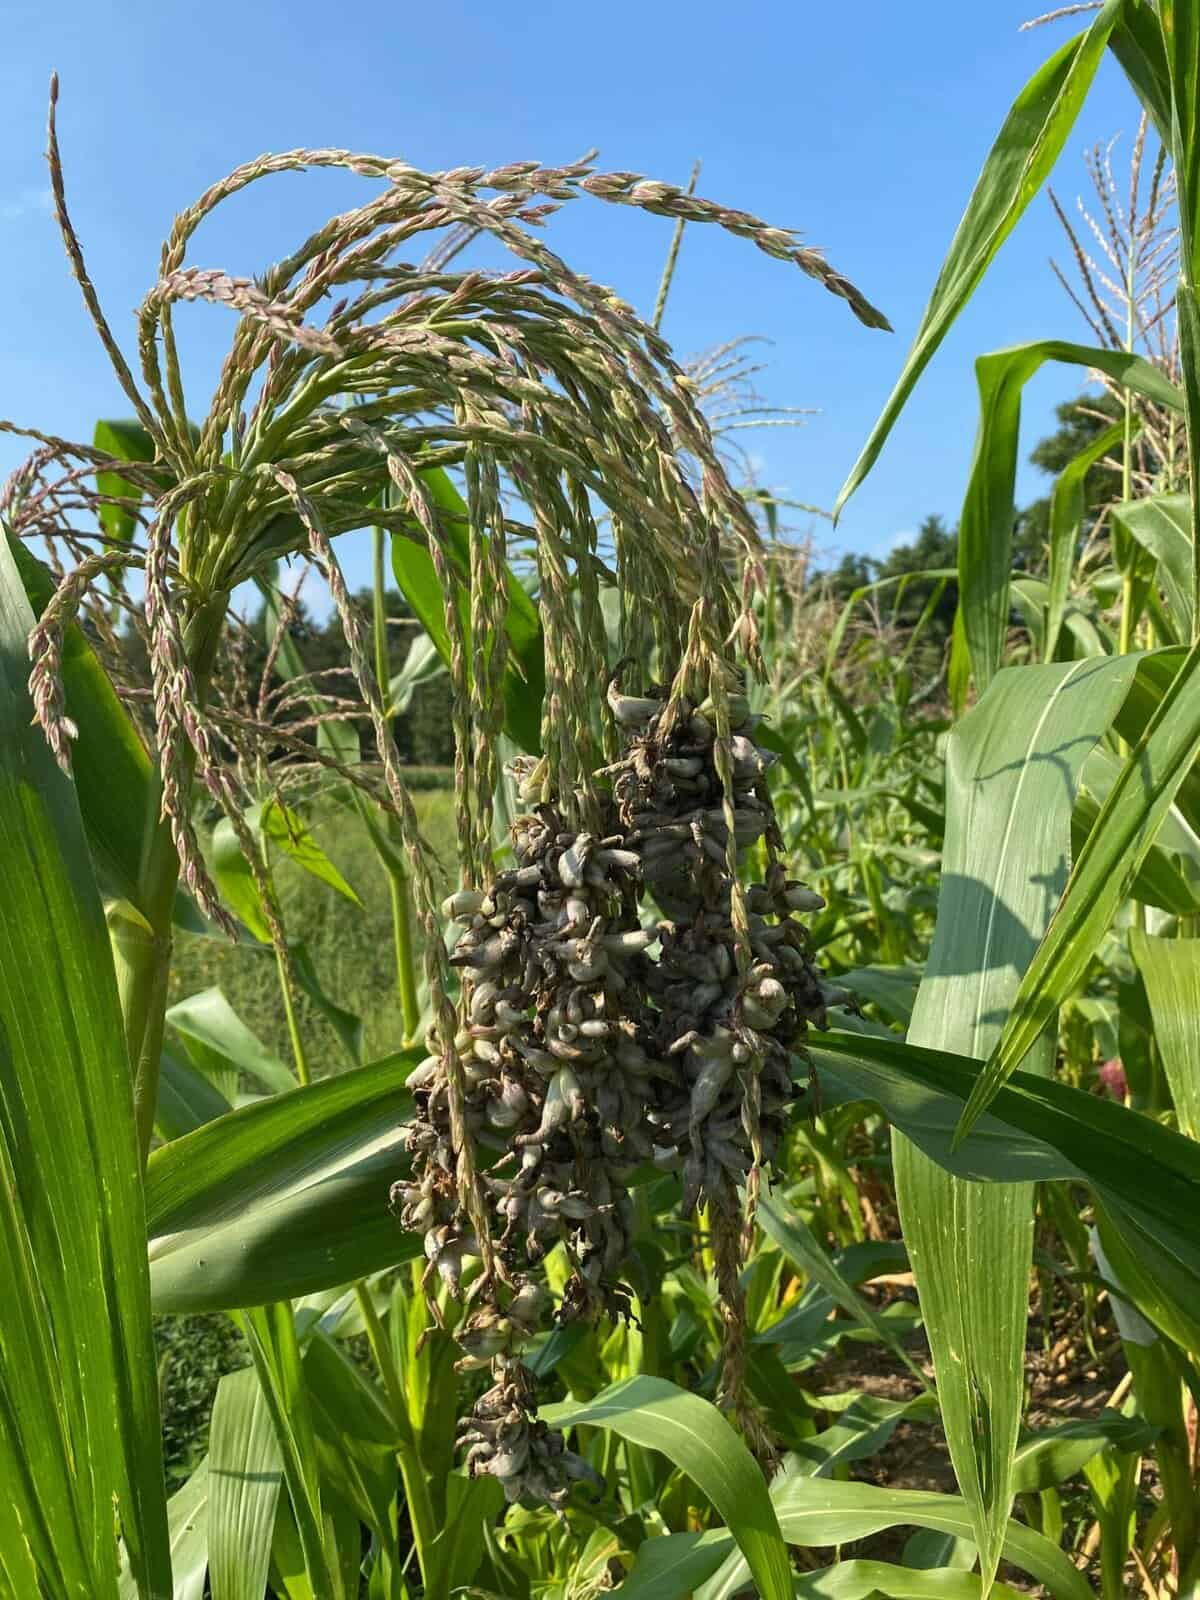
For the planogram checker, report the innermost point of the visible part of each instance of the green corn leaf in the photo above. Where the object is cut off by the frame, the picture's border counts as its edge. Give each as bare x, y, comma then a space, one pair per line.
792, 1235
125, 441
209, 1026
271, 1334
245, 1471
1012, 766
858, 1580
674, 1568
675, 1565
282, 1197
693, 1435
412, 565
186, 1098
988, 514
1146, 1177
1153, 1280
821, 1511
862, 1429
187, 1519
1066, 525
274, 827
1046, 1458
1169, 876
113, 780
1103, 871
422, 663
1017, 165
78, 1399
1166, 879
1179, 21
356, 1436
1170, 969
1162, 525
1137, 43
348, 1025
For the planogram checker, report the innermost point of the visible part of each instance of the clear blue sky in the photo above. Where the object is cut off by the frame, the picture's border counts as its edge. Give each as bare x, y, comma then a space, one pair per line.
862, 125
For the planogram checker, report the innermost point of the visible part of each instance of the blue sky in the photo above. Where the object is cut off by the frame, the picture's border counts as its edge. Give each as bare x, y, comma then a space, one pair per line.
862, 126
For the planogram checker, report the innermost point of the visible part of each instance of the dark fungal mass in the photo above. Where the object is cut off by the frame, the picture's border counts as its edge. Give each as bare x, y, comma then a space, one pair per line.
595, 1042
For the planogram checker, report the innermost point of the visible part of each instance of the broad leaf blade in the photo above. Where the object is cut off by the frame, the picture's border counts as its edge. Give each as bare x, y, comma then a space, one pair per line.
1162, 525
1012, 766
989, 512
1146, 1177
80, 1422
820, 1511
271, 1333
207, 1020
1129, 819
282, 1197
186, 1098
187, 1519
789, 1231
112, 773
1170, 969
694, 1435
1066, 526
245, 1471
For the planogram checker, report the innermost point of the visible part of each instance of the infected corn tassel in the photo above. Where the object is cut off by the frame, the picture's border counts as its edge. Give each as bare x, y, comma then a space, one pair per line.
588, 1056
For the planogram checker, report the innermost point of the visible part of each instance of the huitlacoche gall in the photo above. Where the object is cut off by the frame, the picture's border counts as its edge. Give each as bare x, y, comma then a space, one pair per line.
596, 1043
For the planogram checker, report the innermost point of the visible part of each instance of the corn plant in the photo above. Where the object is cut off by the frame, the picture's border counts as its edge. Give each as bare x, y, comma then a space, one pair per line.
1022, 918
583, 1352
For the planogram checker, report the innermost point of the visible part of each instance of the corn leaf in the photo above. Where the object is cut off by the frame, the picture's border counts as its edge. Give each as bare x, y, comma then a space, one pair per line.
1046, 1458
356, 1436
1146, 1177
1179, 21
790, 1232
1137, 43
211, 1028
281, 1197
414, 571
1141, 797
1066, 526
78, 1406
244, 1475
821, 1511
1012, 765
1162, 525
1169, 876
1017, 165
186, 1098
112, 773
862, 1429
988, 514
693, 1435
187, 1519
1170, 969
271, 1334
270, 825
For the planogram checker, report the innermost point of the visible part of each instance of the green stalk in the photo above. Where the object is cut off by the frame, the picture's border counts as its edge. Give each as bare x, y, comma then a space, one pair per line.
144, 965
293, 1027
400, 888
416, 1485
299, 1056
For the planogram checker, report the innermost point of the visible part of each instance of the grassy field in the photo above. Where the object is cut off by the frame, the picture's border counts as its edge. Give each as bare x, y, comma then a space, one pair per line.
351, 947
